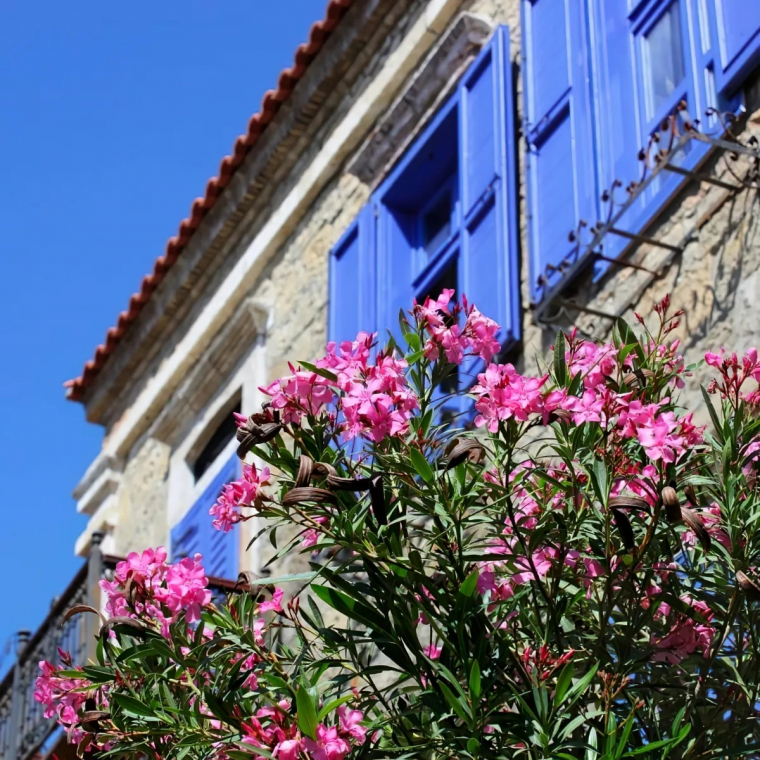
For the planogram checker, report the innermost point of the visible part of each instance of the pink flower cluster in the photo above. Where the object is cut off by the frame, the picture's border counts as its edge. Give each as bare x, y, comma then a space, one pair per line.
298, 394
373, 397
63, 697
376, 401
281, 737
244, 492
501, 394
686, 634
476, 338
734, 374
145, 585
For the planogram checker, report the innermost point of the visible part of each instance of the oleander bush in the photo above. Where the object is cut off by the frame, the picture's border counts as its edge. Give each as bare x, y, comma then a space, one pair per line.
566, 568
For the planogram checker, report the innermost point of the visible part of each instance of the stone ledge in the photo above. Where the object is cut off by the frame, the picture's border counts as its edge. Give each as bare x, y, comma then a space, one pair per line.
430, 87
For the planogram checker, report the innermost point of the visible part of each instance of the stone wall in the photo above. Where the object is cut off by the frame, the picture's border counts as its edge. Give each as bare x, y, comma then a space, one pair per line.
142, 499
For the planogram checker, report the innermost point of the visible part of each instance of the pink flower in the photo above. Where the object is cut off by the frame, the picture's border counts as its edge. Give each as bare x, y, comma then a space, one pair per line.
658, 440
258, 627
432, 651
502, 394
328, 746
482, 335
350, 724
586, 409
186, 590
686, 636
274, 604
287, 750
238, 493
312, 536
542, 562
299, 394
435, 311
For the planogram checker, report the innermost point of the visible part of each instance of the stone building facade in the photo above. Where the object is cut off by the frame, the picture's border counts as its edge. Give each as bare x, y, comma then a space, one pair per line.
246, 285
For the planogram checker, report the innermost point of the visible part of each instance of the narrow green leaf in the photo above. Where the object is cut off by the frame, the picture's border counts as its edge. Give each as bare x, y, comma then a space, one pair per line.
134, 707
469, 585
321, 371
456, 705
564, 682
718, 432
628, 337
403, 323
475, 680
307, 715
413, 341
421, 465
577, 690
351, 608
560, 367
591, 753
333, 705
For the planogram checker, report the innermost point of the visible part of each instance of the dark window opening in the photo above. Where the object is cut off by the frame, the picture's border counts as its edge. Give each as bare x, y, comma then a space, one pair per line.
436, 223
217, 443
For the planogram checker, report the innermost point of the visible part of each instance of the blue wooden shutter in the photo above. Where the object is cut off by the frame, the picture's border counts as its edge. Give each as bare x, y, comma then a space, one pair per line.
489, 263
396, 271
559, 131
195, 533
738, 23
353, 279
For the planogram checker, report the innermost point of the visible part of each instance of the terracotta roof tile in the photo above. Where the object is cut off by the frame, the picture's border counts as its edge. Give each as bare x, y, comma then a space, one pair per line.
270, 104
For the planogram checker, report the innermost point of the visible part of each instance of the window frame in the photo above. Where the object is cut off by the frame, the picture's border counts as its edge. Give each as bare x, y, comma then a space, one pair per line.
422, 264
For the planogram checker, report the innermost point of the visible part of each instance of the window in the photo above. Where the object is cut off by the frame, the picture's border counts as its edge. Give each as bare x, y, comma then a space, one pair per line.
205, 474
195, 533
599, 79
444, 217
663, 60
218, 441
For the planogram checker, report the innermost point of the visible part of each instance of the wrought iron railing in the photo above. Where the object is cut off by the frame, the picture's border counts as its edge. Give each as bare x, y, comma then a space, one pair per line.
23, 727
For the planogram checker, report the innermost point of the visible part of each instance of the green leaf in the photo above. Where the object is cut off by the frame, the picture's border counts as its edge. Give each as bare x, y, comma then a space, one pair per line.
564, 682
572, 725
560, 367
134, 707
421, 464
473, 746
403, 323
591, 753
713, 416
628, 337
413, 341
647, 748
321, 371
475, 680
307, 714
576, 692
456, 705
351, 608
469, 585
333, 705
296, 577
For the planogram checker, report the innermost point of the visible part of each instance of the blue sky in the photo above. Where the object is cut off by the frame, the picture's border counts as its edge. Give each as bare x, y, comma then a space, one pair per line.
112, 118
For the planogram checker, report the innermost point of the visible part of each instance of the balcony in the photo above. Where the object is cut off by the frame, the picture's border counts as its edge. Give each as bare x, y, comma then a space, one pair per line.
24, 731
